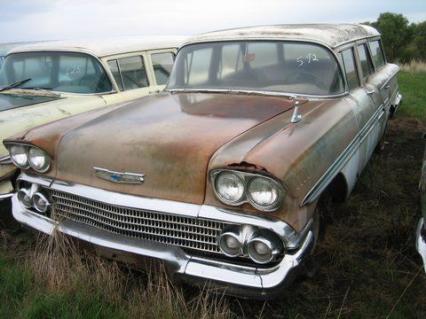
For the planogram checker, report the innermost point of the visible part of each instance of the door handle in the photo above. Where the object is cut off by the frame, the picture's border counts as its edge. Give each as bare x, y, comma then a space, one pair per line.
387, 87
370, 92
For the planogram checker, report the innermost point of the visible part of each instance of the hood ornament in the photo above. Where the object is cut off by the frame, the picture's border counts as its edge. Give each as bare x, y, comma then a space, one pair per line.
119, 177
296, 116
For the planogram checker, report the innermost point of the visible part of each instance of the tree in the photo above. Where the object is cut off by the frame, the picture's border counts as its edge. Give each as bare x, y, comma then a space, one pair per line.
396, 34
420, 40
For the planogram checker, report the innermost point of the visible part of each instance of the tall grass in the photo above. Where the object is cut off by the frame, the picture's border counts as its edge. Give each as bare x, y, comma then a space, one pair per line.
414, 66
97, 288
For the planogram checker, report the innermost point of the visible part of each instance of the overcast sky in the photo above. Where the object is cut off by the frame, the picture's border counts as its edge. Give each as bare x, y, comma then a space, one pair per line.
22, 20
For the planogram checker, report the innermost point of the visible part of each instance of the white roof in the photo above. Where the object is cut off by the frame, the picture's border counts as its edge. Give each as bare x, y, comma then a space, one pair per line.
331, 35
105, 47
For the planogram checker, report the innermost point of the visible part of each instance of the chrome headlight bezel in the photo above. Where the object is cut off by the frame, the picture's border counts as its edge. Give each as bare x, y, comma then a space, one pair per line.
24, 149
28, 149
246, 178
46, 165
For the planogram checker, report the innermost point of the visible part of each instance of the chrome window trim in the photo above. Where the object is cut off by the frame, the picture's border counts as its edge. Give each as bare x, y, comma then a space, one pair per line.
331, 50
83, 52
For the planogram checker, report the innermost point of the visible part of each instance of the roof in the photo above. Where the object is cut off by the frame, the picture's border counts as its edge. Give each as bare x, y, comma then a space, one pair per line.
6, 47
331, 35
105, 47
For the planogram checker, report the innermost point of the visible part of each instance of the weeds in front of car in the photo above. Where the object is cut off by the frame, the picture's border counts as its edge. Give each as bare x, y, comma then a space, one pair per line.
57, 280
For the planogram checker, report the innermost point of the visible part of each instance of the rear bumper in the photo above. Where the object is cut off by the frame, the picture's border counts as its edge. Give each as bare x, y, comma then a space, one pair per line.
421, 240
236, 279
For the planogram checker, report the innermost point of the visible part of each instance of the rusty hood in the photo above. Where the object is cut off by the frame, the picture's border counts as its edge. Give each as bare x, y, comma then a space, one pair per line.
169, 138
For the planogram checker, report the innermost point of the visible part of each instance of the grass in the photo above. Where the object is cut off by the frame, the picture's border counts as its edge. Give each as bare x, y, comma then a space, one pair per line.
368, 266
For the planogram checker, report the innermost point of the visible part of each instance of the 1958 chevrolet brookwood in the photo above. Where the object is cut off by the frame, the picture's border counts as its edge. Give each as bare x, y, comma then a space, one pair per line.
218, 177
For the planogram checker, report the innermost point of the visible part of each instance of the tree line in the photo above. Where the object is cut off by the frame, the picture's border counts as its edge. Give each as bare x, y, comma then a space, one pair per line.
403, 41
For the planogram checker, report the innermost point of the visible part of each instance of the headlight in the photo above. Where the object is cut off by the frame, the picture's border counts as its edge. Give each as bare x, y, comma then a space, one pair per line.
263, 192
234, 188
38, 160
229, 187
19, 156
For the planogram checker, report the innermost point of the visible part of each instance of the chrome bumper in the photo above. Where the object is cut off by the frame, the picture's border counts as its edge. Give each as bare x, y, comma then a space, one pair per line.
238, 279
421, 241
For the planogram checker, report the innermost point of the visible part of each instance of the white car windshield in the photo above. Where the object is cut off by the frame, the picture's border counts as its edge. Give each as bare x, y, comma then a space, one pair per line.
56, 71
275, 66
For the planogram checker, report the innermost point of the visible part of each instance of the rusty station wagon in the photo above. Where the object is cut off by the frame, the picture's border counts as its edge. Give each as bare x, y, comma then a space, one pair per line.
220, 176
46, 81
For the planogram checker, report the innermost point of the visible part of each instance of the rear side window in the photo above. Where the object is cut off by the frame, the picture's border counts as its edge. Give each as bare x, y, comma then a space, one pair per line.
377, 53
162, 64
129, 73
350, 68
365, 60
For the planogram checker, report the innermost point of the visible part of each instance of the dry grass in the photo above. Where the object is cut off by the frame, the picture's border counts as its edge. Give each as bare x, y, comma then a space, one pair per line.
414, 66
61, 268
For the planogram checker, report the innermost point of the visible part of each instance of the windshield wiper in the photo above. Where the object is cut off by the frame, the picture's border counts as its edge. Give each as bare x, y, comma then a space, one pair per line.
15, 84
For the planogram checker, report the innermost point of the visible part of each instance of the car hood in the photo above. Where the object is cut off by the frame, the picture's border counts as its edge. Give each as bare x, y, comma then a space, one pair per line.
169, 138
12, 101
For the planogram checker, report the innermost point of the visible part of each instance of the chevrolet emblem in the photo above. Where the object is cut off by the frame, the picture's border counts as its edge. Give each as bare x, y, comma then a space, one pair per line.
119, 177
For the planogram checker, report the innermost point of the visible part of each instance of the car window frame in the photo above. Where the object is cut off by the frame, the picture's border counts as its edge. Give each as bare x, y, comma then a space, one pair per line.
381, 50
352, 49
150, 53
363, 78
147, 64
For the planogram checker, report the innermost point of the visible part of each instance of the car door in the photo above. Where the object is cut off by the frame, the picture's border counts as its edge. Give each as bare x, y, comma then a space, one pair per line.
363, 108
384, 77
375, 124
131, 76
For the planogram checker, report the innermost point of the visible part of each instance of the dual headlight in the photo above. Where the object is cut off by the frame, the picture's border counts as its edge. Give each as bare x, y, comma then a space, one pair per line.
25, 156
235, 188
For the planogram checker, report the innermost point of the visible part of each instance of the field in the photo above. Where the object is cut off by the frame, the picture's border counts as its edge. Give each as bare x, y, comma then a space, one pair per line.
367, 263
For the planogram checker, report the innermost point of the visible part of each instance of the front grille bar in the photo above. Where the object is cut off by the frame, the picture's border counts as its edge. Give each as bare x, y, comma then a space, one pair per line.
186, 232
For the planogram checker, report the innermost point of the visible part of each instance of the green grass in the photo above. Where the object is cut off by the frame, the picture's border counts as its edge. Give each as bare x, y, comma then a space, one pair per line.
368, 266
413, 87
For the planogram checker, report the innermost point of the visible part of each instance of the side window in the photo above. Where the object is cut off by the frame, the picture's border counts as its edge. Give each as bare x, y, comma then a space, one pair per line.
113, 66
133, 72
377, 53
162, 64
350, 68
364, 58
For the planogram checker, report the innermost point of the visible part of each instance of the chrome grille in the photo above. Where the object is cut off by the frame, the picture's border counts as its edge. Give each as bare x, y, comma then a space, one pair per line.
186, 232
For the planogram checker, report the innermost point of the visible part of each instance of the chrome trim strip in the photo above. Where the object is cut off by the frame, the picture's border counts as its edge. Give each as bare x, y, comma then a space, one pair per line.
421, 242
291, 237
5, 160
258, 92
5, 196
178, 261
342, 159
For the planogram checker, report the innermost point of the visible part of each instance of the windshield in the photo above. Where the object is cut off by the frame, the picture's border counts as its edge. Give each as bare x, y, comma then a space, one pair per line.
277, 66
57, 71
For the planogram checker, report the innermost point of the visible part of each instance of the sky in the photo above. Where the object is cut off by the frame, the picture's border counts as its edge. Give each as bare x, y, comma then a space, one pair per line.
23, 20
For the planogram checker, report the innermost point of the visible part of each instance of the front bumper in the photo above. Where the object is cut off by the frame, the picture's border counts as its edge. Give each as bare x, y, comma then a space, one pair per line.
236, 279
421, 240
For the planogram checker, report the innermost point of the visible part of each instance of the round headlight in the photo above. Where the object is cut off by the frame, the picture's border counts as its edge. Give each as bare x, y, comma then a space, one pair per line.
38, 160
19, 156
229, 187
263, 193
